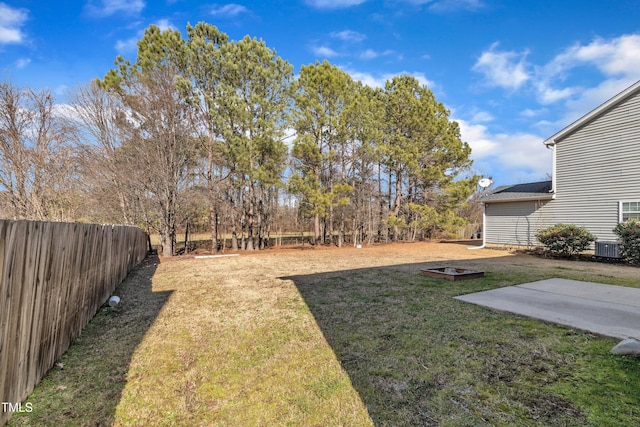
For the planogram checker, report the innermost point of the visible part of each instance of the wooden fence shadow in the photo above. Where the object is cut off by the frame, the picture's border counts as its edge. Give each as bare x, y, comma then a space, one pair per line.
86, 384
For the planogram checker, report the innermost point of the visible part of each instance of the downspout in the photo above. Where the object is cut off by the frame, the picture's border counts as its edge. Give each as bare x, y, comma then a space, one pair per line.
553, 169
484, 228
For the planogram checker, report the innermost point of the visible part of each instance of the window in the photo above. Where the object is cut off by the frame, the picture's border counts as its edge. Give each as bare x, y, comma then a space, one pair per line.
629, 209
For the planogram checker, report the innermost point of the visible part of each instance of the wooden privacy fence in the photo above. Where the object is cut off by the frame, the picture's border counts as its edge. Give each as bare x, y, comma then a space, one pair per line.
54, 278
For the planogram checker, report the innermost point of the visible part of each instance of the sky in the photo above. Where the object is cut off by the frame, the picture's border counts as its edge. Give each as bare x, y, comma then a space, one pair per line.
512, 73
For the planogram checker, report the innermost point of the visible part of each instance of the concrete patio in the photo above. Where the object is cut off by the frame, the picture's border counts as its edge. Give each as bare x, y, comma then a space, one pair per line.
608, 310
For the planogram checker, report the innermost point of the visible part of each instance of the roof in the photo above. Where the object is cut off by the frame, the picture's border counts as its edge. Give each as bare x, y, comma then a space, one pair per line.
520, 192
622, 96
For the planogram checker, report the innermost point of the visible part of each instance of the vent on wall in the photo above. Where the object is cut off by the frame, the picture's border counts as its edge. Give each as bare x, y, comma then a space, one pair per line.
607, 250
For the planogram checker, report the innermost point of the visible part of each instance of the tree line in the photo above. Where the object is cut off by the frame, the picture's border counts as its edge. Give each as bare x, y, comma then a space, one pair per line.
219, 133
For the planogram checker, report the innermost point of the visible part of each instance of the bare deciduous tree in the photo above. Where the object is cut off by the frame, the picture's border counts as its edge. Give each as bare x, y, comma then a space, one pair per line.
37, 167
106, 170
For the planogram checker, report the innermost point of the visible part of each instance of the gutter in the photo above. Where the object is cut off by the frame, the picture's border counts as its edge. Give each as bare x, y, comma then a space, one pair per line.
536, 197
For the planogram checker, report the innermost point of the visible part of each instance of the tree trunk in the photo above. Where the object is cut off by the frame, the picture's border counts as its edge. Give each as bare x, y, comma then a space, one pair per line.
234, 239
396, 207
330, 239
250, 219
169, 225
234, 226
186, 238
356, 237
213, 212
261, 223
224, 238
316, 229
168, 243
214, 232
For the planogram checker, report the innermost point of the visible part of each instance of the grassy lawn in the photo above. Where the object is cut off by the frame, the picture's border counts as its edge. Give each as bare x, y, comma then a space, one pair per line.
337, 338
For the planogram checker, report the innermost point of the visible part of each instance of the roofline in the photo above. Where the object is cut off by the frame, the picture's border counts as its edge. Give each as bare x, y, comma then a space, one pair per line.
593, 114
549, 196
504, 187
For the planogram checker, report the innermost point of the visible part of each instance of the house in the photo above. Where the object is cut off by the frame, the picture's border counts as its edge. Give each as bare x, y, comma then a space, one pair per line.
595, 183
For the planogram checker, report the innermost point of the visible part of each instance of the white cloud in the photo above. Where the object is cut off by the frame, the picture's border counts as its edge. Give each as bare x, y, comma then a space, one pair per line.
22, 62
369, 54
324, 51
333, 4
506, 69
617, 59
380, 80
289, 136
482, 117
614, 57
563, 91
448, 5
523, 150
130, 45
372, 54
476, 136
111, 7
165, 24
127, 46
519, 156
11, 21
549, 95
229, 10
456, 5
422, 79
366, 78
591, 98
348, 35
529, 113
67, 111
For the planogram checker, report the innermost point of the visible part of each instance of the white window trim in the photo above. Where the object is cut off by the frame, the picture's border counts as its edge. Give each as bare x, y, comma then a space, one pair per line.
620, 207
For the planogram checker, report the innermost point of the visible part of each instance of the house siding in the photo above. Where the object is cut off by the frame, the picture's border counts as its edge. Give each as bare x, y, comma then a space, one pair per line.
516, 223
597, 166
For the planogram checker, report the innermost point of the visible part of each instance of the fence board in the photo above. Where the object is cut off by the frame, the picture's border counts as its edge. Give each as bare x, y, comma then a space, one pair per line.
4, 315
53, 279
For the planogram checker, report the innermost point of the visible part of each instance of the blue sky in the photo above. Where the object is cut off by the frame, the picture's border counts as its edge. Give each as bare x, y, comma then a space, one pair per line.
512, 72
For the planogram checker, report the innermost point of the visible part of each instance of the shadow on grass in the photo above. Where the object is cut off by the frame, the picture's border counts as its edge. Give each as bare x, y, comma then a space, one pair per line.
417, 357
85, 385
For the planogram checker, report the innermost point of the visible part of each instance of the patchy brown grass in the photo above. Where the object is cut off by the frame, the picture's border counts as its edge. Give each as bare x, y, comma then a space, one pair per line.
330, 337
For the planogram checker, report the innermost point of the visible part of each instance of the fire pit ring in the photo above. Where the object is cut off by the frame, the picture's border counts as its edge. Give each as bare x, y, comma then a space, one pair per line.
452, 273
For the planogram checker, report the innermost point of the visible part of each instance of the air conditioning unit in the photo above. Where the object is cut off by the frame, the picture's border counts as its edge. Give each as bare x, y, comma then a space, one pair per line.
607, 250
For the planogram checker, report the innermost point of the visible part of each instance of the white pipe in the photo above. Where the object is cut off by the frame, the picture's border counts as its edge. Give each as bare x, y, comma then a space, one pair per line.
214, 256
484, 228
553, 169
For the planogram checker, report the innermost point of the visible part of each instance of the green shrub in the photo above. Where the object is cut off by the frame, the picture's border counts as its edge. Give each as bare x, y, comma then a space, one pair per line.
565, 239
628, 233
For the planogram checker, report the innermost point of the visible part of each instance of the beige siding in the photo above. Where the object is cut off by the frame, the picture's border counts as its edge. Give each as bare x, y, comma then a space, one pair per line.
597, 166
516, 223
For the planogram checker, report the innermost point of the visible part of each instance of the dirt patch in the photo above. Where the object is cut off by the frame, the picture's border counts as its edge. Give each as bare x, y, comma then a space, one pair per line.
465, 252
453, 248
